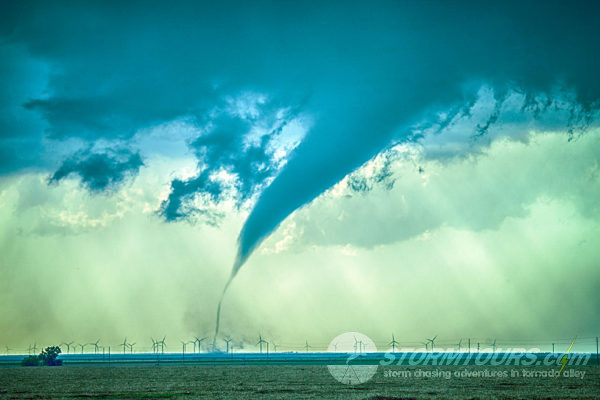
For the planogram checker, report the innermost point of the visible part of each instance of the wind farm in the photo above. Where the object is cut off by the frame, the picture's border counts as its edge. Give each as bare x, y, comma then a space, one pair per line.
264, 350
437, 358
372, 200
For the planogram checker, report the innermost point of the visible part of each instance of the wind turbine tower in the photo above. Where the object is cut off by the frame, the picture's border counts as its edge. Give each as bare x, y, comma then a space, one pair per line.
199, 341
432, 341
68, 346
393, 343
183, 345
95, 344
260, 342
306, 346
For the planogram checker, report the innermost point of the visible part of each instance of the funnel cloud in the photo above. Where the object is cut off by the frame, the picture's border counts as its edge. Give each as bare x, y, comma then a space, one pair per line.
405, 68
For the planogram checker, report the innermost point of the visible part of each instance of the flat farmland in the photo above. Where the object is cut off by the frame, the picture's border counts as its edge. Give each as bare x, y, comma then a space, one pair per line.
290, 381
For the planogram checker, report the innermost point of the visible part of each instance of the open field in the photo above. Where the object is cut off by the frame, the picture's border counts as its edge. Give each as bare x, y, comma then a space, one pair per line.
289, 381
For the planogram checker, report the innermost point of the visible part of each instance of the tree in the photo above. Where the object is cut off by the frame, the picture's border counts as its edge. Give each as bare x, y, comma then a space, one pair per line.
47, 357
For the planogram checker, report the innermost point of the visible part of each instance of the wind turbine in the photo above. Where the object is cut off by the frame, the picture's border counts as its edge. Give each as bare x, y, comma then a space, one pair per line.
358, 344
131, 347
162, 345
393, 343
458, 344
183, 345
154, 345
124, 344
426, 345
275, 347
68, 346
199, 341
432, 341
7, 349
29, 350
306, 346
34, 347
260, 342
335, 347
95, 344
227, 341
82, 347
494, 346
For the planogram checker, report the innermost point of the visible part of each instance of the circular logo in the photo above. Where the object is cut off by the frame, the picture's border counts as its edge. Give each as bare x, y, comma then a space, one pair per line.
352, 348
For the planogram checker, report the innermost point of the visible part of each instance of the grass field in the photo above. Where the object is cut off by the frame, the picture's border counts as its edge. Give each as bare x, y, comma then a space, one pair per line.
276, 382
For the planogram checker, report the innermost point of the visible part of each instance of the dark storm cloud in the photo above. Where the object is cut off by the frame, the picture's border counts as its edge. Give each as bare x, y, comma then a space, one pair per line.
100, 172
20, 129
371, 71
224, 147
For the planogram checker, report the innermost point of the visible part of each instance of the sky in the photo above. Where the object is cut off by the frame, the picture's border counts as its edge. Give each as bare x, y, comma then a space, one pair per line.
419, 168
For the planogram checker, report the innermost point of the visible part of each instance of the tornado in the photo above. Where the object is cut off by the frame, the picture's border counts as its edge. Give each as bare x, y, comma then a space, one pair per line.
402, 72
